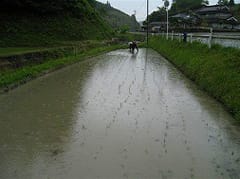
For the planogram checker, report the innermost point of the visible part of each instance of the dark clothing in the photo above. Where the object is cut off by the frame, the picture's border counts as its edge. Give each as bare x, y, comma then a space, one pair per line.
184, 37
133, 46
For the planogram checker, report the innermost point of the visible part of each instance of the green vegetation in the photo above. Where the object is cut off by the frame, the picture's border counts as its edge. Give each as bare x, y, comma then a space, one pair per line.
183, 5
15, 51
223, 2
159, 15
49, 23
41, 36
14, 77
18, 51
116, 18
236, 10
215, 70
48, 31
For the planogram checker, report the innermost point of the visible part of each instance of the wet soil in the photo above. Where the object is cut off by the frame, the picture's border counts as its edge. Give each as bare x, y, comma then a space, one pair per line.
118, 115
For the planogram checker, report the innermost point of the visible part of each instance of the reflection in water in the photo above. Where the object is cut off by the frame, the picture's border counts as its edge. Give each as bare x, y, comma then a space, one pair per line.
119, 115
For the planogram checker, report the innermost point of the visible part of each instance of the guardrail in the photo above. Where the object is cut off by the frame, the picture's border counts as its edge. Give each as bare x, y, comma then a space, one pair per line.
228, 40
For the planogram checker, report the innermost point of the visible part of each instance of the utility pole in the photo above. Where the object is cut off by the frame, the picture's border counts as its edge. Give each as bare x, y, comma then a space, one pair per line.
166, 4
167, 23
147, 21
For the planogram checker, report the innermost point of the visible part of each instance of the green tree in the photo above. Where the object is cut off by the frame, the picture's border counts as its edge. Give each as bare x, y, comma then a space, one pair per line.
182, 5
159, 15
222, 2
205, 2
231, 3
43, 5
124, 29
173, 9
92, 2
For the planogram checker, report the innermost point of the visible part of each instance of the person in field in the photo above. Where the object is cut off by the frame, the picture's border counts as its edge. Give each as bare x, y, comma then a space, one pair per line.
133, 46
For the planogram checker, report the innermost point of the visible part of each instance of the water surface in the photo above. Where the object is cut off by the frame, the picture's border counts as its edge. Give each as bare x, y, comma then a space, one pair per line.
118, 115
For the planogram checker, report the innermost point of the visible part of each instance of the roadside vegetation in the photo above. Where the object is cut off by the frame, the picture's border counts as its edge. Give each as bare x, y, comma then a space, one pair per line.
215, 70
17, 50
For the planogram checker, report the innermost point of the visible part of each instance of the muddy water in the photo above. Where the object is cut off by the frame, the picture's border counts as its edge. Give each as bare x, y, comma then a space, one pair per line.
118, 115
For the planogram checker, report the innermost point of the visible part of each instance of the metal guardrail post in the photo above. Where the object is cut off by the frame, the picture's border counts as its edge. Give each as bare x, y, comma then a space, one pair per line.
210, 38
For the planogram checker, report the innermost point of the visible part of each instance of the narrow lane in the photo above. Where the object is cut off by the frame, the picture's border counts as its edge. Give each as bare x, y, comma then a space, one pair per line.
118, 115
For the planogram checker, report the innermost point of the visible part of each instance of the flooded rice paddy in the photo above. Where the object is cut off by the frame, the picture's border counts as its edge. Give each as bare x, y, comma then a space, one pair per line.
118, 115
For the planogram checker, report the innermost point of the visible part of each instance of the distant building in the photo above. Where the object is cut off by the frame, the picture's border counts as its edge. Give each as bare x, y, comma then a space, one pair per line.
185, 20
155, 26
217, 17
237, 27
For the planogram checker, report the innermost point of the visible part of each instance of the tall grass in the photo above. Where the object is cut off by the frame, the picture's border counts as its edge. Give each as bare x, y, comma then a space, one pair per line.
215, 70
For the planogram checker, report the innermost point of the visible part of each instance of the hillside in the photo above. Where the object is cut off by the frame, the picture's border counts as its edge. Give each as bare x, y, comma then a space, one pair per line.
116, 18
41, 23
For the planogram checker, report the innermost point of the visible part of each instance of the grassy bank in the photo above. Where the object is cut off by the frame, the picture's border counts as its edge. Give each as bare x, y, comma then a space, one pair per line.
216, 70
14, 77
83, 44
12, 58
30, 28
18, 50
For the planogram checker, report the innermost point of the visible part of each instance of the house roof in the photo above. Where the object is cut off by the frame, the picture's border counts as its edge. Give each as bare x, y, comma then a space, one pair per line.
185, 17
212, 9
219, 19
232, 20
220, 16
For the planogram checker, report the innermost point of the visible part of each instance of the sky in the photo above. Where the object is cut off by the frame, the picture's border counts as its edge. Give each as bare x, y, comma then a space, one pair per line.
129, 6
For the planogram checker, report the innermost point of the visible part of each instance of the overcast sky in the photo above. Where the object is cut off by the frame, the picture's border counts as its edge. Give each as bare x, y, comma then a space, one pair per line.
128, 6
